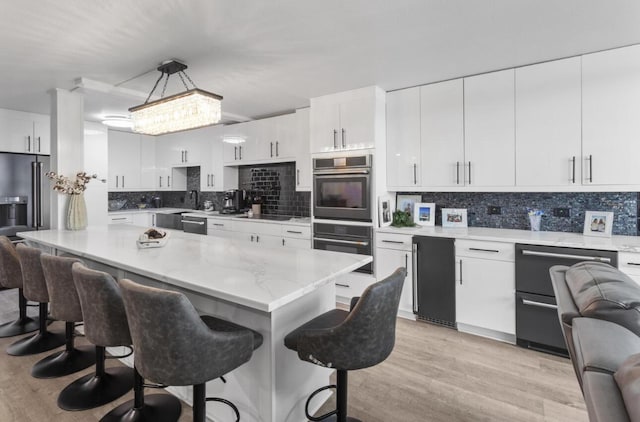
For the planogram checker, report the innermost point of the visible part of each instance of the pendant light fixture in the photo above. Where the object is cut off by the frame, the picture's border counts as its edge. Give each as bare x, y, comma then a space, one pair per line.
190, 109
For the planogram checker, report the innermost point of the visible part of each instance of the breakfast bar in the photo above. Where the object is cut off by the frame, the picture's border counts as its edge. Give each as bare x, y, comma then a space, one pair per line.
271, 290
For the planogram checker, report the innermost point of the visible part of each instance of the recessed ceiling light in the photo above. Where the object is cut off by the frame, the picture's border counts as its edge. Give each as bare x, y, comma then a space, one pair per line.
117, 121
233, 140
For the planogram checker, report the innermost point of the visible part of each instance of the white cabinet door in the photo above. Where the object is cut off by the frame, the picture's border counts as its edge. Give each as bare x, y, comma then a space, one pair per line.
489, 142
610, 123
389, 260
141, 219
403, 139
237, 140
16, 132
124, 160
42, 134
286, 139
324, 125
147, 162
214, 176
357, 123
303, 154
485, 294
548, 123
442, 134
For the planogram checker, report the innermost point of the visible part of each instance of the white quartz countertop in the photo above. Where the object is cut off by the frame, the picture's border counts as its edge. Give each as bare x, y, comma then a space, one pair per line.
572, 240
298, 221
255, 276
155, 210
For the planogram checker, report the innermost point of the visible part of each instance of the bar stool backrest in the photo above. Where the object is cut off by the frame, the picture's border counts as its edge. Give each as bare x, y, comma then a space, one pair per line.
65, 303
10, 271
34, 285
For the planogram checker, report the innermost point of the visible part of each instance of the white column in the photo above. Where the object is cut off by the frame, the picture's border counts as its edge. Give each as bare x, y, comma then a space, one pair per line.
67, 144
96, 150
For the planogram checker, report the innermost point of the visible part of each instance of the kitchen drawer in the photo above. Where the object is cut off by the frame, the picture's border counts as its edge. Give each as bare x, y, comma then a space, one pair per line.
400, 242
302, 232
219, 224
255, 227
353, 284
120, 219
291, 242
629, 263
499, 251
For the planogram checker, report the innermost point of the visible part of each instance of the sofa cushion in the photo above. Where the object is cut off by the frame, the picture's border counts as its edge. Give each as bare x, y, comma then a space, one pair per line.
603, 399
602, 345
602, 291
628, 380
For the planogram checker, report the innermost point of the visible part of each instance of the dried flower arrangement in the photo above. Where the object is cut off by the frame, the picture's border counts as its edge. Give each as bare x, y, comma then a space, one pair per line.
65, 185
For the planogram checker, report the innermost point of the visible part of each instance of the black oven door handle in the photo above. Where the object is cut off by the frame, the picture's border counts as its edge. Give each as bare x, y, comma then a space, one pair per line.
345, 242
338, 172
566, 256
201, 223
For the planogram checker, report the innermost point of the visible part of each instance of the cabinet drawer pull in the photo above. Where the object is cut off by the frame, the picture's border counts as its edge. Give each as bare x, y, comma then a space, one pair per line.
484, 250
294, 232
633, 263
217, 224
399, 242
539, 304
342, 285
120, 218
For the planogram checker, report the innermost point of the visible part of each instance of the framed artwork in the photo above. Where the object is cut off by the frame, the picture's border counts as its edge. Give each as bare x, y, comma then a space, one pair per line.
598, 223
454, 217
407, 203
424, 214
385, 211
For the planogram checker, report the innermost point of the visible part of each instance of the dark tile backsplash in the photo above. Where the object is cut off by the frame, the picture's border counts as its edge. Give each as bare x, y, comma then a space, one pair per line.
275, 183
515, 205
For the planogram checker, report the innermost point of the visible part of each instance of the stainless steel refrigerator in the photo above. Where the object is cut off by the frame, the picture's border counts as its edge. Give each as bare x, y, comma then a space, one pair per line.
25, 193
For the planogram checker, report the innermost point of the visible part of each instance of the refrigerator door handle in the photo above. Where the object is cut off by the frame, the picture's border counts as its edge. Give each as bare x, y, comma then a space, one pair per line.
39, 186
34, 195
414, 276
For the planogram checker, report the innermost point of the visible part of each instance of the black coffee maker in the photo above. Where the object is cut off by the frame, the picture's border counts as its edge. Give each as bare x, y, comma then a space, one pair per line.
234, 201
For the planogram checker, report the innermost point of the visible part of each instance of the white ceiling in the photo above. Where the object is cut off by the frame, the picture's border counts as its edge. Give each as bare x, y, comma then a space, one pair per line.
267, 57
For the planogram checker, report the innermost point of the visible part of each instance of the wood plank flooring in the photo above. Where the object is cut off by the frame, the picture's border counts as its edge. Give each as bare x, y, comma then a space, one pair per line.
434, 374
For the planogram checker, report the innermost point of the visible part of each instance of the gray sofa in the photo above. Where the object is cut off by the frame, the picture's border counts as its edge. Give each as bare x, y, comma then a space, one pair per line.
599, 310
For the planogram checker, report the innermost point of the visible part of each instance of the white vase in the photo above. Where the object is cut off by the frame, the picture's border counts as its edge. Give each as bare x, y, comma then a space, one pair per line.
77, 212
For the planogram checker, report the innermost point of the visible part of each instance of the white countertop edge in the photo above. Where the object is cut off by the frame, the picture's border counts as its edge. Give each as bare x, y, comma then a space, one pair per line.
545, 238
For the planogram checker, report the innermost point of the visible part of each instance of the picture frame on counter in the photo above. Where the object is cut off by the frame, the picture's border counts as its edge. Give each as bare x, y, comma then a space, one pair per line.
424, 214
454, 217
407, 203
385, 211
598, 223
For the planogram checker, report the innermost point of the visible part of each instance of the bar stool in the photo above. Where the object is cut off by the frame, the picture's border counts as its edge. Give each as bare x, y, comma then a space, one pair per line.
11, 278
357, 339
99, 294
105, 325
184, 348
65, 306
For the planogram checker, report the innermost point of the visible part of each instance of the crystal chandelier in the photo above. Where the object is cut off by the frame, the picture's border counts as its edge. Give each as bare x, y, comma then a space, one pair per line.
190, 109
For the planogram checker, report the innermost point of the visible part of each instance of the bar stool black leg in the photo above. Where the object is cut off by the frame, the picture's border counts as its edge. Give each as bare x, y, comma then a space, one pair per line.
152, 408
199, 403
41, 342
23, 324
94, 390
68, 361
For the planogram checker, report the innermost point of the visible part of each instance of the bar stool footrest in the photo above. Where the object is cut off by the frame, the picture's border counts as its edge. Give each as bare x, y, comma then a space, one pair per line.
228, 403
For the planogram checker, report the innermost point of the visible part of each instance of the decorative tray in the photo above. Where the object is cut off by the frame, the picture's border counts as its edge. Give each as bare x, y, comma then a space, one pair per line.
152, 238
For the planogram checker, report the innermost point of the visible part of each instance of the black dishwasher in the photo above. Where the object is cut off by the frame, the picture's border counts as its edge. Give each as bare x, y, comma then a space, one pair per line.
434, 280
537, 324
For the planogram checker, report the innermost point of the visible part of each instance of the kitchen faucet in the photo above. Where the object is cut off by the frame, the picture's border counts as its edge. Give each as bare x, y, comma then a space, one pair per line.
191, 193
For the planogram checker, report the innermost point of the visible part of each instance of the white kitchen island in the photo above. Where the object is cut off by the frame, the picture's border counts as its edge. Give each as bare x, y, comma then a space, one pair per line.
269, 290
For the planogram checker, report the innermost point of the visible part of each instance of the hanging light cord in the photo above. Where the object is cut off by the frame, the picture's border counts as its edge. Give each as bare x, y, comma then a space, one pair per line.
155, 86
166, 81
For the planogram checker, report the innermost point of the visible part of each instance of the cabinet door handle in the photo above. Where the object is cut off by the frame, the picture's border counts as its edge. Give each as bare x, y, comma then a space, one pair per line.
406, 261
590, 168
277, 153
414, 278
335, 135
117, 181
252, 238
213, 180
484, 250
160, 181
39, 142
168, 181
461, 272
122, 181
469, 172
240, 150
282, 242
28, 143
573, 169
457, 172
186, 156
235, 153
153, 219
344, 144
271, 149
298, 177
415, 174
342, 285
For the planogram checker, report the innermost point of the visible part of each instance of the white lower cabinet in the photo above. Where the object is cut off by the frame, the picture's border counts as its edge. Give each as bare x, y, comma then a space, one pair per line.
485, 289
352, 285
136, 218
394, 251
143, 219
120, 218
272, 234
629, 263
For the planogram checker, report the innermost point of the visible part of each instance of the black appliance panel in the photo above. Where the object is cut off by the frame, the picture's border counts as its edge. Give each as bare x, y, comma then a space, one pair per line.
196, 225
434, 284
537, 324
169, 221
345, 238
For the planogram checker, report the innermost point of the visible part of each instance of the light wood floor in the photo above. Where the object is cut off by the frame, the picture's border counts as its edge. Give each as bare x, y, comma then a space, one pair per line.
434, 374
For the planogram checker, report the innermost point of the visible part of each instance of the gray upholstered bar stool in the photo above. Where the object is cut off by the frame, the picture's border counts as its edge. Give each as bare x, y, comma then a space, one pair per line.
345, 341
106, 325
11, 278
65, 306
35, 289
184, 348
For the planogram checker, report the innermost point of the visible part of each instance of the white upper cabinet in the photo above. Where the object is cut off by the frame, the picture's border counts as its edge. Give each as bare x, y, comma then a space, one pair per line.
24, 132
403, 139
610, 117
147, 162
213, 175
186, 148
124, 160
489, 142
548, 123
347, 120
442, 134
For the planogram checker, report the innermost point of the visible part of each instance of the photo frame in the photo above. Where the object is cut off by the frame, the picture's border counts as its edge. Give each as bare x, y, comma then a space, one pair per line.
407, 203
598, 223
385, 211
454, 217
424, 214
